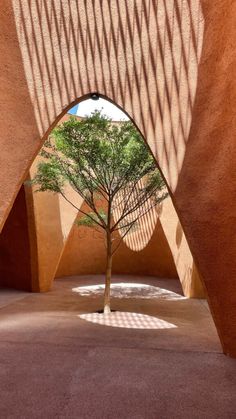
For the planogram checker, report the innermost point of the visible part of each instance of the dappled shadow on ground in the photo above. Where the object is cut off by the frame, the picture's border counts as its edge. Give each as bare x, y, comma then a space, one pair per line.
165, 320
125, 291
128, 290
127, 320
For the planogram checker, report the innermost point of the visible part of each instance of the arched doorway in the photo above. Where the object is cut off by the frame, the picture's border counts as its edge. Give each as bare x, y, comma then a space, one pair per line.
63, 58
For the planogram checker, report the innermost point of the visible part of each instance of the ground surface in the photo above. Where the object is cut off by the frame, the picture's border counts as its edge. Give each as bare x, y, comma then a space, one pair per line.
56, 361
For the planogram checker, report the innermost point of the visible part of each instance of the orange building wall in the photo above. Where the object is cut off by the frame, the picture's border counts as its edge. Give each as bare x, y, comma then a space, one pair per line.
54, 218
15, 252
171, 67
85, 253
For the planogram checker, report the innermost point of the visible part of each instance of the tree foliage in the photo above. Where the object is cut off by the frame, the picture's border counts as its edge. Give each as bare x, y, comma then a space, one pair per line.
109, 166
102, 161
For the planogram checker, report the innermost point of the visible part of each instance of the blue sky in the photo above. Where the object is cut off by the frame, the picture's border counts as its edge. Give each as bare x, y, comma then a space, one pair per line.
73, 111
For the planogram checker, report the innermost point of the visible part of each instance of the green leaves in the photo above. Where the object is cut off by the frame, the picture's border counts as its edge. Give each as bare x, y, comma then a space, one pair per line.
49, 177
91, 219
102, 152
108, 165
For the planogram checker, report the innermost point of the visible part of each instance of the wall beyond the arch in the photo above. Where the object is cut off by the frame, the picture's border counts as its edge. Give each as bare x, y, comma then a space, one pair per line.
54, 218
85, 253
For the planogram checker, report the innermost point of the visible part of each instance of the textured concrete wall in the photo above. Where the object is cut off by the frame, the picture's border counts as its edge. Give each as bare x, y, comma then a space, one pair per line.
85, 253
54, 219
187, 271
170, 66
16, 270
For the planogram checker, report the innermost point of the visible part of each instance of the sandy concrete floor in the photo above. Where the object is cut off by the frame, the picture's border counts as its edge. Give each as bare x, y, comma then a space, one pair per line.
57, 361
8, 296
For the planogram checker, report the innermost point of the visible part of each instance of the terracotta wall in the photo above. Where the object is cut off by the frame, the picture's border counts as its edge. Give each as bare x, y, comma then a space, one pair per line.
192, 284
15, 248
171, 67
54, 219
85, 253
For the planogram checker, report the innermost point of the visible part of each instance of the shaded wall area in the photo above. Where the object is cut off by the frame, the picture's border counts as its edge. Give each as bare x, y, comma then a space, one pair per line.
155, 259
53, 220
189, 276
16, 270
85, 253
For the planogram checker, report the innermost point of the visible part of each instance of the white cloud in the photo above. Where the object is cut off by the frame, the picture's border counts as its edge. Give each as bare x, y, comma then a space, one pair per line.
88, 106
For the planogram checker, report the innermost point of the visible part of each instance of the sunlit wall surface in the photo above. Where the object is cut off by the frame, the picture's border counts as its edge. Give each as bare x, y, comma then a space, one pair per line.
147, 64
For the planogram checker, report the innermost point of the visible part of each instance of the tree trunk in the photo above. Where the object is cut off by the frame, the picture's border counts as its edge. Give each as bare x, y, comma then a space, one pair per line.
107, 298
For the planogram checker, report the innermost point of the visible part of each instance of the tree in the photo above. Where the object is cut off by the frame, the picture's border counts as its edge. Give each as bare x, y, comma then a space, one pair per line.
103, 162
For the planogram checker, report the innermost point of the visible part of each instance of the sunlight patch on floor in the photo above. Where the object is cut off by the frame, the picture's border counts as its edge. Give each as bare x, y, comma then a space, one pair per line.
129, 290
127, 320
